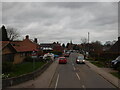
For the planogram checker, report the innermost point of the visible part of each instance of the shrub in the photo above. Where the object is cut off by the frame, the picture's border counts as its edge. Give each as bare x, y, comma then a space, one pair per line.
4, 76
89, 59
48, 58
7, 67
57, 53
118, 67
28, 59
109, 55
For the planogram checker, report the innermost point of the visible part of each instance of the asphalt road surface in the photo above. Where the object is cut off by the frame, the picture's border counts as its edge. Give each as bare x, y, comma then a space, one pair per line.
72, 75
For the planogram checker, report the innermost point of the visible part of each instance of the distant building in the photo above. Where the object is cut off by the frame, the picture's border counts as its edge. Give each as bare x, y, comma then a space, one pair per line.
116, 47
70, 45
48, 47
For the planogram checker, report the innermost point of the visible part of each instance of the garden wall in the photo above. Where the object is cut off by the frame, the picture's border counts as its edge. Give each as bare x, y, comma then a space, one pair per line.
17, 80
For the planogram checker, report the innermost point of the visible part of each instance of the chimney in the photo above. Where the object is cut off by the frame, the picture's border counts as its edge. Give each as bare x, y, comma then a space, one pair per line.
3, 27
118, 38
27, 36
35, 40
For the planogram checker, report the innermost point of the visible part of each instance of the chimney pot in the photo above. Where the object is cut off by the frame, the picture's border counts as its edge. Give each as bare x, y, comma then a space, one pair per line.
35, 40
27, 36
118, 38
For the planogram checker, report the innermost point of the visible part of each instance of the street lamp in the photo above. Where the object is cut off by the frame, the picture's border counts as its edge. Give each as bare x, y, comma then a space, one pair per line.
88, 44
33, 57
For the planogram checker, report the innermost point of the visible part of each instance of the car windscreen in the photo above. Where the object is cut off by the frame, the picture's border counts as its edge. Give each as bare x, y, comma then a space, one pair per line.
81, 57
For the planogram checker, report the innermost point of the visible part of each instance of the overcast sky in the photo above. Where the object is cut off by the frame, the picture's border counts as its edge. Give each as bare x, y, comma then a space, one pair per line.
63, 21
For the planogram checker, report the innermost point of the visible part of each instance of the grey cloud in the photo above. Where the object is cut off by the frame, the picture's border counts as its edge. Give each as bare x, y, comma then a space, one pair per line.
63, 20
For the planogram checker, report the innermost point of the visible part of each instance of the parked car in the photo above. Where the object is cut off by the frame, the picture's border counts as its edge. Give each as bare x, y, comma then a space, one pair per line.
48, 55
62, 60
115, 63
67, 54
80, 59
56, 56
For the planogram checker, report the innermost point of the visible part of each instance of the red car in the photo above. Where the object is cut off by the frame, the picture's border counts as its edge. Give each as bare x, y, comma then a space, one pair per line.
62, 60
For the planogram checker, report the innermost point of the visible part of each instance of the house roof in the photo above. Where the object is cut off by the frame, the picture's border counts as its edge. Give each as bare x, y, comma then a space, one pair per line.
6, 43
25, 46
21, 46
115, 47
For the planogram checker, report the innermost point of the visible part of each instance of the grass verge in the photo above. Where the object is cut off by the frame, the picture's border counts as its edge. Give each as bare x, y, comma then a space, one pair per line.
116, 74
24, 68
97, 63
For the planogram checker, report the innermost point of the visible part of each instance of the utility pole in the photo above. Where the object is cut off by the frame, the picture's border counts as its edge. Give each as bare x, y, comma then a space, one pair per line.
88, 43
88, 37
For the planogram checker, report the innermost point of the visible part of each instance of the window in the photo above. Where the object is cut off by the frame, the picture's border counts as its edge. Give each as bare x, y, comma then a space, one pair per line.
22, 54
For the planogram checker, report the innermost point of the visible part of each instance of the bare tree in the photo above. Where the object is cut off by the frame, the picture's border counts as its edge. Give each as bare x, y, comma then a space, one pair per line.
97, 46
84, 40
12, 33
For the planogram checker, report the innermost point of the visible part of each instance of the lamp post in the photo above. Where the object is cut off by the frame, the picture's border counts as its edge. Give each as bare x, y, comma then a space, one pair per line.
88, 43
33, 57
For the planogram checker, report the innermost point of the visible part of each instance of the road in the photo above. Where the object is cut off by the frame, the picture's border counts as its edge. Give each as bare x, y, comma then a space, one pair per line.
72, 75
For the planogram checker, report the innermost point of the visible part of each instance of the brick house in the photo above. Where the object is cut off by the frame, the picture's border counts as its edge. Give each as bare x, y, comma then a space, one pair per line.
8, 51
19, 49
24, 48
116, 47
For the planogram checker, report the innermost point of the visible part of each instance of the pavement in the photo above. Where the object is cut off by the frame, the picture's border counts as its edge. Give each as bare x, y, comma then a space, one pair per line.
42, 81
105, 74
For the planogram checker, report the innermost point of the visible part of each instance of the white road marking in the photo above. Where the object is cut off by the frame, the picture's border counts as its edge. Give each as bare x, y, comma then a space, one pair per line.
57, 82
73, 67
78, 76
83, 86
72, 63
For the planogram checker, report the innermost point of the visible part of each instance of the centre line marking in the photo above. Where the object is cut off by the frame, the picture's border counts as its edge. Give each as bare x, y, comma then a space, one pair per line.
83, 86
56, 82
73, 67
78, 76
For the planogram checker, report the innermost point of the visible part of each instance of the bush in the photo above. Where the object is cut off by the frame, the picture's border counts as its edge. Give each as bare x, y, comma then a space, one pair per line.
99, 59
109, 55
4, 76
7, 67
28, 59
105, 55
118, 67
48, 58
57, 53
89, 59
